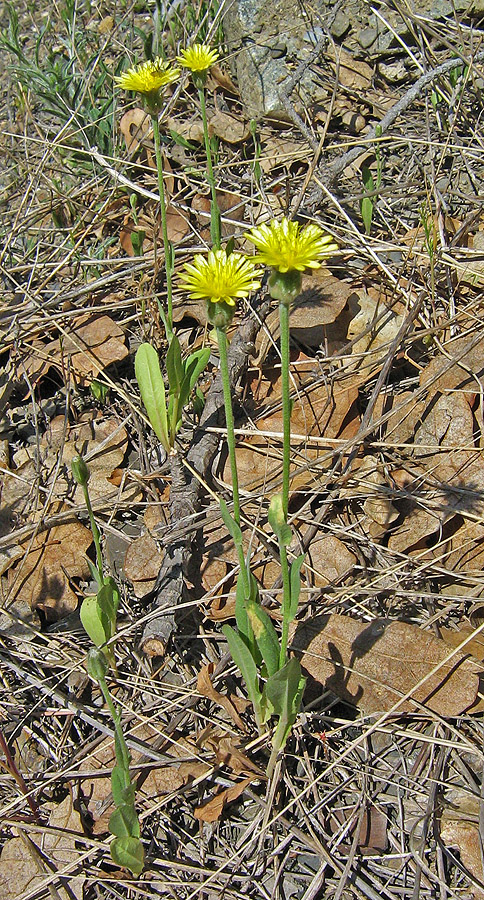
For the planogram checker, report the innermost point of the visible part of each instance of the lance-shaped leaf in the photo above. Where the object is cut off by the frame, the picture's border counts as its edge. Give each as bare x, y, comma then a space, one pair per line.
243, 658
152, 390
295, 585
265, 635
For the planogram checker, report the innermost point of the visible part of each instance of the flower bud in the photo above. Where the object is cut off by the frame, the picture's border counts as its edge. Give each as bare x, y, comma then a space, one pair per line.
79, 470
285, 286
97, 664
220, 314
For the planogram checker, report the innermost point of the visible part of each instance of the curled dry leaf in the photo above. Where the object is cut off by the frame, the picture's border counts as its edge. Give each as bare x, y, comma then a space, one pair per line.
206, 689
134, 126
352, 73
228, 753
377, 325
213, 809
374, 666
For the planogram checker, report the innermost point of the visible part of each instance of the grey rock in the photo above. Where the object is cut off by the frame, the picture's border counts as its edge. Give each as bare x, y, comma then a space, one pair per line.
367, 36
268, 43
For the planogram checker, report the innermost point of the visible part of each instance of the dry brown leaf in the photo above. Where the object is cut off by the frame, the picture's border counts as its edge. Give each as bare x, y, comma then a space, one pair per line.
22, 865
54, 558
228, 752
212, 810
280, 151
318, 411
142, 563
206, 689
462, 369
383, 325
91, 344
352, 73
228, 128
329, 560
459, 829
103, 443
474, 647
221, 77
373, 666
134, 126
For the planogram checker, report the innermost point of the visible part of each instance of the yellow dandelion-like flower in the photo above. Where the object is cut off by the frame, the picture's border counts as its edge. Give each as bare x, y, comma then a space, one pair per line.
198, 57
288, 246
219, 278
149, 77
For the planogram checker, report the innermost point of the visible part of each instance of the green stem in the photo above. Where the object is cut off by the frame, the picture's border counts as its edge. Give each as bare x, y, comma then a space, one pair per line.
229, 418
277, 744
95, 533
166, 243
286, 405
214, 209
117, 723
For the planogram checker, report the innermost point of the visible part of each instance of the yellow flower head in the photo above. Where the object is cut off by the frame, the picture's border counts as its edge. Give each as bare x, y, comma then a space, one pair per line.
219, 278
198, 58
288, 246
149, 77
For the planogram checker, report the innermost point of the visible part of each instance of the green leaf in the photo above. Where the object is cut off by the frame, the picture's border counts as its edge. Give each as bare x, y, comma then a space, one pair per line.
265, 635
92, 621
128, 852
243, 658
94, 571
230, 524
367, 178
277, 521
285, 690
366, 209
295, 585
195, 365
174, 366
152, 390
137, 239
120, 784
124, 821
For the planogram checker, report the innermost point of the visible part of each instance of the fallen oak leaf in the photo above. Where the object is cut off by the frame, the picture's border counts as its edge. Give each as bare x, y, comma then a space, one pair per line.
373, 666
213, 809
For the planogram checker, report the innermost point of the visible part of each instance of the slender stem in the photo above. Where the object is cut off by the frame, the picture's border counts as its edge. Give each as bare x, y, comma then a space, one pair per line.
286, 601
117, 724
229, 418
168, 248
214, 209
286, 405
95, 533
